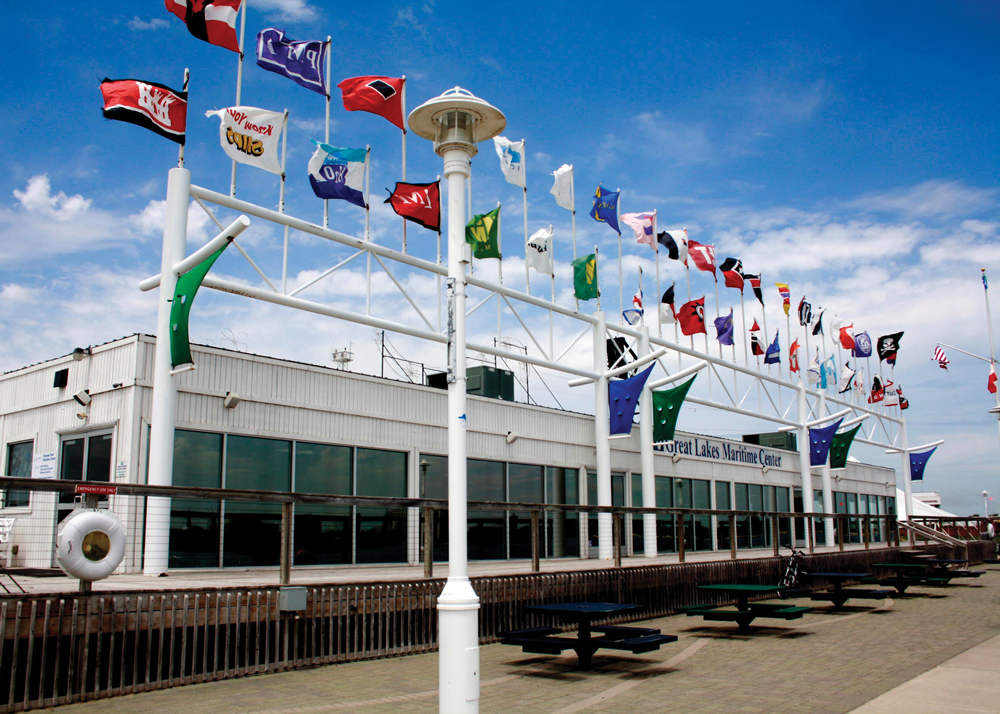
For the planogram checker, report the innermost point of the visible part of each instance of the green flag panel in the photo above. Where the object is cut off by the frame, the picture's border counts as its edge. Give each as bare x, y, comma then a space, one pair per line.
180, 309
666, 407
482, 233
840, 447
585, 277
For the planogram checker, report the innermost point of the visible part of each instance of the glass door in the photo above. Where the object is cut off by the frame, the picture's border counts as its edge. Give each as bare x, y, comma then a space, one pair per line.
85, 457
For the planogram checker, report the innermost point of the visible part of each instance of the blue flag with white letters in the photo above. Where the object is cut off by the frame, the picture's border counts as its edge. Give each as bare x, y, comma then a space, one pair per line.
605, 207
338, 173
302, 62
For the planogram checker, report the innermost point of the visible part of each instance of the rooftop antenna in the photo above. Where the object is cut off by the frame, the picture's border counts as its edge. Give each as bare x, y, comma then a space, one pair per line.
342, 358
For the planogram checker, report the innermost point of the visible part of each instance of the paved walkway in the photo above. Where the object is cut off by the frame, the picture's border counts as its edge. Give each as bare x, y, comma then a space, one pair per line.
830, 661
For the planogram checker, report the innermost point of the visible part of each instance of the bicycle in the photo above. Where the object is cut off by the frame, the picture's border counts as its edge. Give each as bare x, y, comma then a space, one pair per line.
793, 570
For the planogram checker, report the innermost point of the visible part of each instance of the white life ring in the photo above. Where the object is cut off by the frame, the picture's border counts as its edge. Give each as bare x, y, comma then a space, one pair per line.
90, 544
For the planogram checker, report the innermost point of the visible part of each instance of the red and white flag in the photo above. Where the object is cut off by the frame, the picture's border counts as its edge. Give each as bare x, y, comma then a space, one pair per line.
793, 357
377, 95
941, 357
847, 336
702, 255
213, 21
418, 202
991, 384
147, 104
691, 315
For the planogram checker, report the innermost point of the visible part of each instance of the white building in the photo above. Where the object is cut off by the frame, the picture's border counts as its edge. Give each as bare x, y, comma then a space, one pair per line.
315, 429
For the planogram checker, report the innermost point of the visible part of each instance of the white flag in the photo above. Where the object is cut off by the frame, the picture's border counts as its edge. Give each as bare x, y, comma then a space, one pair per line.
538, 253
891, 398
250, 136
511, 155
859, 383
846, 376
563, 188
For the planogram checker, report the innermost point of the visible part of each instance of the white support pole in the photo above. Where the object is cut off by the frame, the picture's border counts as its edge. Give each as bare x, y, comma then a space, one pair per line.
989, 331
438, 275
621, 291
239, 89
743, 318
827, 484
458, 604
767, 335
164, 409
597, 279
500, 273
659, 317
805, 472
552, 264
602, 431
646, 456
368, 236
717, 316
281, 203
180, 150
907, 488
687, 271
524, 196
572, 193
403, 101
326, 132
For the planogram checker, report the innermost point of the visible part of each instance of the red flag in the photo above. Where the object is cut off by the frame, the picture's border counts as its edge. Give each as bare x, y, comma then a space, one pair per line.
755, 327
877, 393
213, 21
991, 384
418, 202
378, 95
147, 104
703, 256
793, 356
847, 336
691, 315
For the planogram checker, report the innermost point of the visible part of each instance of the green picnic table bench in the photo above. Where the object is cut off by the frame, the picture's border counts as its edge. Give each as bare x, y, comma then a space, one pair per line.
745, 612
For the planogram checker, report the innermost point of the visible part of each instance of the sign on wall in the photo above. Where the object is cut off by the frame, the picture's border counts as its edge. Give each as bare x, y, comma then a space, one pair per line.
44, 466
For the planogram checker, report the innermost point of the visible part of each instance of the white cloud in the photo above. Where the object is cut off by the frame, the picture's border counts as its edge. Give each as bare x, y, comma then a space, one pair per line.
37, 199
150, 220
406, 17
931, 199
155, 23
292, 10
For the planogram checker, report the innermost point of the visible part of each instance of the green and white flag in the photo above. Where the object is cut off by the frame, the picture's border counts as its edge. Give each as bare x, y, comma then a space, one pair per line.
585, 277
180, 308
482, 234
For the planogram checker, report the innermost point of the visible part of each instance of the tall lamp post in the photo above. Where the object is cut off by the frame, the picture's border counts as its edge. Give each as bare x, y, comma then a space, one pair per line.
986, 504
456, 122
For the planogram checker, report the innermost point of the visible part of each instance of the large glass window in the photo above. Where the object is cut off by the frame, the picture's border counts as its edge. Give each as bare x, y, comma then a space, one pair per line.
525, 484
756, 493
637, 543
702, 530
486, 528
742, 492
723, 503
86, 457
434, 484
19, 465
381, 532
562, 529
194, 522
665, 529
252, 531
782, 505
322, 533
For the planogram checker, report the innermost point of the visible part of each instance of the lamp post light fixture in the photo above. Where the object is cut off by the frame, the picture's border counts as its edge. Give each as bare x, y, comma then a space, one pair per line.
986, 503
456, 121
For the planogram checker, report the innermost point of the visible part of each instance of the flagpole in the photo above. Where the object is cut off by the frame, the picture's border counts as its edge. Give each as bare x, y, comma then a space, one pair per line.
468, 213
597, 279
499, 270
989, 331
659, 317
403, 101
368, 290
524, 194
326, 132
687, 270
743, 317
717, 316
572, 195
808, 352
180, 152
239, 91
281, 203
823, 342
552, 267
763, 317
439, 260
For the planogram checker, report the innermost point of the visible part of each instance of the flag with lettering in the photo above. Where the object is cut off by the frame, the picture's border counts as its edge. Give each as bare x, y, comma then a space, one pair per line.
862, 345
251, 136
585, 277
605, 207
691, 316
302, 62
483, 232
703, 256
538, 251
878, 391
786, 296
644, 226
338, 173
676, 244
511, 155
375, 95
213, 21
152, 106
562, 187
418, 202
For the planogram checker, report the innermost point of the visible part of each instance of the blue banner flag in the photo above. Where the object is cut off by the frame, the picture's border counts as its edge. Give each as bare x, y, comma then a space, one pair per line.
605, 207
862, 345
338, 173
724, 329
773, 354
820, 441
917, 464
302, 62
623, 398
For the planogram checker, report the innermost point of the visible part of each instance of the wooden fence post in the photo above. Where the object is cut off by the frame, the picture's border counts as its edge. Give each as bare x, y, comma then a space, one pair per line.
680, 537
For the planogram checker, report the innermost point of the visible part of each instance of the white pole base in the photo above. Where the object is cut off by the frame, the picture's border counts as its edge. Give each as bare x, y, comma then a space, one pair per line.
605, 538
458, 648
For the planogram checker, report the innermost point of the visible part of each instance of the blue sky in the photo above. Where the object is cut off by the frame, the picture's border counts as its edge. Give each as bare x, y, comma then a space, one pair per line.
847, 149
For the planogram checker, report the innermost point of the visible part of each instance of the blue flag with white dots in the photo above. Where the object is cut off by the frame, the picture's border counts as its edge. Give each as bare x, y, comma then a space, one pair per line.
820, 441
917, 464
623, 396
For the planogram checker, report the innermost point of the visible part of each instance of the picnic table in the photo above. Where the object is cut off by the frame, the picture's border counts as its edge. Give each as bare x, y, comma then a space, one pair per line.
838, 595
745, 612
915, 573
544, 640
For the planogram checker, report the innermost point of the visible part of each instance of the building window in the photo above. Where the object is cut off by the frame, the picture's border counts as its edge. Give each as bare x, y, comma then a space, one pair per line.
322, 533
86, 457
562, 529
487, 538
194, 522
525, 484
723, 503
665, 541
18, 464
252, 531
381, 532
